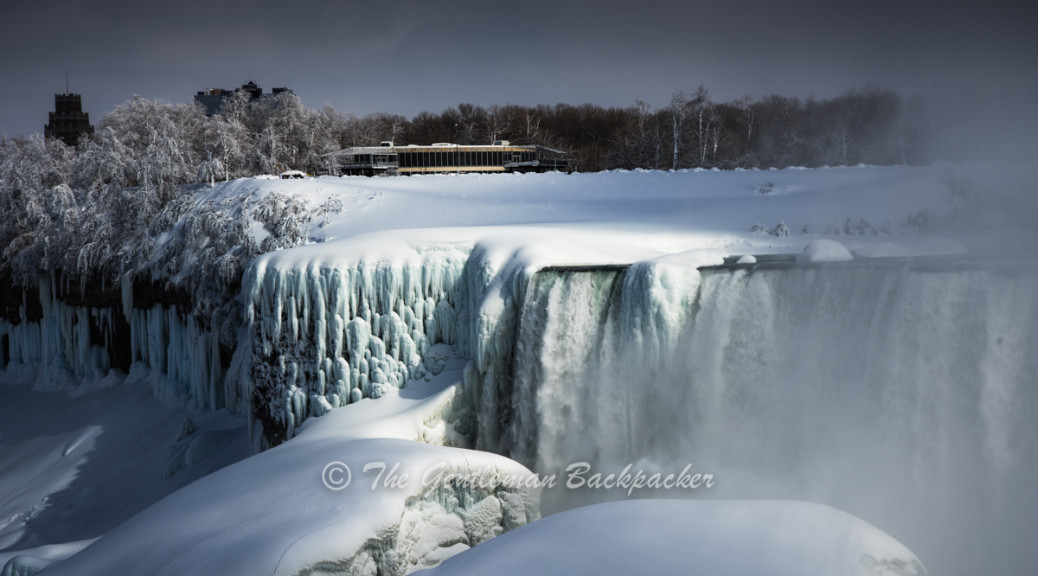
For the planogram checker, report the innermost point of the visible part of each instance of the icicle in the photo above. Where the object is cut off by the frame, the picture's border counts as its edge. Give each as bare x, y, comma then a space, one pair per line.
126, 287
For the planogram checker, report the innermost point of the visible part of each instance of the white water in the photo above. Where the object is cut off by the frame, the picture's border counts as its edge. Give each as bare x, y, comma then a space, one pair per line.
904, 394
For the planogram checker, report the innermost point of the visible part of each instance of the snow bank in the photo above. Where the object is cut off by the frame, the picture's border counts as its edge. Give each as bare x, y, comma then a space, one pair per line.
34, 471
691, 537
271, 514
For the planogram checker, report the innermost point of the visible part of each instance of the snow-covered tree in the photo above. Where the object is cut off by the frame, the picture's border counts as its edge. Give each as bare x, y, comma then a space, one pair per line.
225, 141
780, 230
286, 219
103, 161
38, 209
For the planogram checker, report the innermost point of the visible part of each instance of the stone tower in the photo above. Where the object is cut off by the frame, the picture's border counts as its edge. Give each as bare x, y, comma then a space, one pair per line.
68, 120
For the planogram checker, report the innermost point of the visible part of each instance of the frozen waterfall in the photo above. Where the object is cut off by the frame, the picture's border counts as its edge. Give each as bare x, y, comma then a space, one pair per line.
901, 391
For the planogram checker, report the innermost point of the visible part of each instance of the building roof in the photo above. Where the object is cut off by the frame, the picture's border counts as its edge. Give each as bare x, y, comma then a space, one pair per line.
437, 146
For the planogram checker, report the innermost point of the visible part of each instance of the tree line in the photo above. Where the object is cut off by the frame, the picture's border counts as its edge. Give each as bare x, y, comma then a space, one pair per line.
151, 143
125, 203
871, 125
154, 144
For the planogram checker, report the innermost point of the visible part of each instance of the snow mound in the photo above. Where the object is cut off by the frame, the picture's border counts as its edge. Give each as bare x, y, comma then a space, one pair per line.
333, 499
824, 250
691, 537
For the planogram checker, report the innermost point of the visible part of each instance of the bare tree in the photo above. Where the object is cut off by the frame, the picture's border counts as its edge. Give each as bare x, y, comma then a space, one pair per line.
745, 105
531, 126
678, 105
389, 127
701, 110
715, 133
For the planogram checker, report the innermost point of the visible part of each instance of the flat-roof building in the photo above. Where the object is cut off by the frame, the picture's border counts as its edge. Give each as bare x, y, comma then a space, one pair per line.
212, 99
502, 156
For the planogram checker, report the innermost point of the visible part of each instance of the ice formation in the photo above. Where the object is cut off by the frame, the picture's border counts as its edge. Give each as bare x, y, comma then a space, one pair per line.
784, 381
788, 381
78, 340
323, 336
62, 337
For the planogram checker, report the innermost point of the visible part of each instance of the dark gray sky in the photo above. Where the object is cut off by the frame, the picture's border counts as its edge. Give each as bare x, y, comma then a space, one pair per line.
408, 56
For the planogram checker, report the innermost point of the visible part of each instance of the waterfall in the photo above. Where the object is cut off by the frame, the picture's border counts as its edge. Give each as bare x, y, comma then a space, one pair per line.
902, 392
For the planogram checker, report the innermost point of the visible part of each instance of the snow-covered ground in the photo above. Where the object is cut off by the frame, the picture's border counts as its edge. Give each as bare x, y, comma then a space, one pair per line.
421, 282
75, 465
663, 211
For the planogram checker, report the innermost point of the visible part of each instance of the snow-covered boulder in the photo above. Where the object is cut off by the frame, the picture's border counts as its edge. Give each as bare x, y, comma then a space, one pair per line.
708, 537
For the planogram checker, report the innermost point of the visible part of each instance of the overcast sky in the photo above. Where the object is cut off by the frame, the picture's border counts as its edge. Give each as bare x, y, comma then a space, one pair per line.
408, 56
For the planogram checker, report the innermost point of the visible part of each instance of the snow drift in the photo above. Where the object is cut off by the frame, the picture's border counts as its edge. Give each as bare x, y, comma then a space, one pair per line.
691, 537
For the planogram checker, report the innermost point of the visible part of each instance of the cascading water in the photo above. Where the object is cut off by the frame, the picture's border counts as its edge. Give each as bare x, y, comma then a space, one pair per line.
563, 341
902, 392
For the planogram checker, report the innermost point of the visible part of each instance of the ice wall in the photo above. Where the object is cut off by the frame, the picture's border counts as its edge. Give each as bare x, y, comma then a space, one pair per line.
61, 338
183, 357
322, 336
902, 392
74, 345
325, 329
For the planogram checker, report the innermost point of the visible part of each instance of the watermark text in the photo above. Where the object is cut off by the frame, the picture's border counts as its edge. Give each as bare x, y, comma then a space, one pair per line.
381, 475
